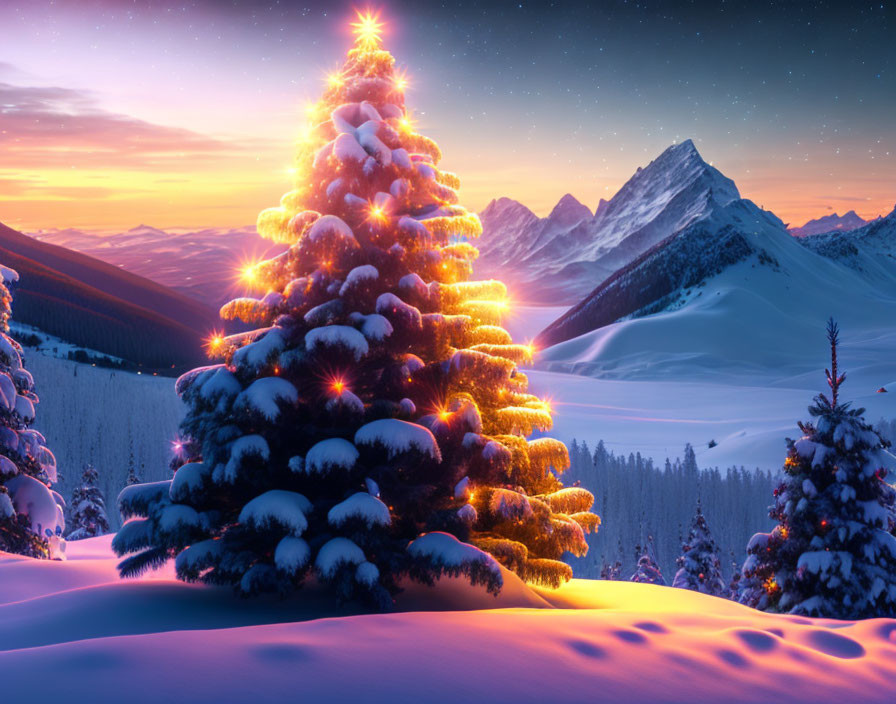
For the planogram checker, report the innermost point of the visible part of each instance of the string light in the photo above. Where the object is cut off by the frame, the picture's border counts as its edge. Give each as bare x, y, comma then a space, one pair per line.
249, 273
376, 213
214, 343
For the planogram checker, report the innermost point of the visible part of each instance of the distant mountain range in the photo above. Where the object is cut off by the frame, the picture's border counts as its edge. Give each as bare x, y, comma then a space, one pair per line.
200, 264
699, 278
100, 306
830, 223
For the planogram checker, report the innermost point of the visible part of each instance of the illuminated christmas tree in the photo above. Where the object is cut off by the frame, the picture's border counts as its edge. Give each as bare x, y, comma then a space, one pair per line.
699, 567
31, 514
833, 552
374, 425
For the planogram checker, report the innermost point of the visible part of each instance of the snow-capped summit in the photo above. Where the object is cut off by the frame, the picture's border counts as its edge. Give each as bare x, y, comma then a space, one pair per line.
732, 291
563, 256
569, 212
830, 223
870, 249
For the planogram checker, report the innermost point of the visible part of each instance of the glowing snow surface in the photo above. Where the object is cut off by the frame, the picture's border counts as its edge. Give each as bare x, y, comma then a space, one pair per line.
665, 400
153, 639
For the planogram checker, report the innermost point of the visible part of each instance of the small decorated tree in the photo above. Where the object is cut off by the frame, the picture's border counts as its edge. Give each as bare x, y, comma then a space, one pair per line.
699, 567
31, 514
88, 508
833, 552
374, 426
647, 571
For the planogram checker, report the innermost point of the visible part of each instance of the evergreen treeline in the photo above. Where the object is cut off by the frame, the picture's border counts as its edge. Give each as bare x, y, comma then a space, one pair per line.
637, 499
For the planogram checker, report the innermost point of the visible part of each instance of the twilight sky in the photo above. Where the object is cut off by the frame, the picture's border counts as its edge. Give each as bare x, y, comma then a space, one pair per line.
114, 113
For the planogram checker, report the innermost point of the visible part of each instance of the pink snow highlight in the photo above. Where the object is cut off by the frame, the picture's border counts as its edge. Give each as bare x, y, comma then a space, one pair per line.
103, 639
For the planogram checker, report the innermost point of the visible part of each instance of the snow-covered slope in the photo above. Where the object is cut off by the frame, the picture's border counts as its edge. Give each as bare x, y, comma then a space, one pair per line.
562, 257
734, 292
201, 263
830, 223
869, 250
72, 632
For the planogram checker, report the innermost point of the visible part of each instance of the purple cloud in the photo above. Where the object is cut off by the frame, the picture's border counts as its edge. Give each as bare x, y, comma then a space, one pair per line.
44, 127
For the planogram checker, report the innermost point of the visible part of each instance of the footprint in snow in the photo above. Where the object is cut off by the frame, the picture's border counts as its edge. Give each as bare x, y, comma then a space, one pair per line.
757, 641
834, 644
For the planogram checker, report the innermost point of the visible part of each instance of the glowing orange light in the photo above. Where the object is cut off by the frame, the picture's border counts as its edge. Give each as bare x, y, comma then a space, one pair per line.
444, 416
338, 386
368, 29
406, 124
334, 80
824, 523
771, 585
214, 343
376, 213
401, 83
249, 273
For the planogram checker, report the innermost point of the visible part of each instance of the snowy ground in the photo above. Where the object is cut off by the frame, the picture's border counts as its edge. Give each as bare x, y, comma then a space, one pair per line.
72, 632
655, 407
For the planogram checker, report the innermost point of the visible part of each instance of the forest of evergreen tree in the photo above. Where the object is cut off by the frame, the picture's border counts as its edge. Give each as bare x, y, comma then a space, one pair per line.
636, 499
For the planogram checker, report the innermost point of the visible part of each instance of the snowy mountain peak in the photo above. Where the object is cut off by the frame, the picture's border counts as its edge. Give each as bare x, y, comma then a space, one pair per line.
830, 223
564, 256
678, 168
505, 207
569, 211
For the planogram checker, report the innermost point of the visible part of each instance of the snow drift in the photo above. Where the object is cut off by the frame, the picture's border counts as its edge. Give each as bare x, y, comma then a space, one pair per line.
156, 639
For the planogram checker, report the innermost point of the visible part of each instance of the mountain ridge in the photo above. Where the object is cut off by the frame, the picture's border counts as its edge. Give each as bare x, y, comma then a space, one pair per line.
565, 255
94, 304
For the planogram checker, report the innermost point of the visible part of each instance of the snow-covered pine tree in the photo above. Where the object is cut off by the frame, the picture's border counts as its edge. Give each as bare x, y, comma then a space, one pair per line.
133, 477
647, 571
734, 590
374, 425
833, 553
88, 508
31, 513
699, 567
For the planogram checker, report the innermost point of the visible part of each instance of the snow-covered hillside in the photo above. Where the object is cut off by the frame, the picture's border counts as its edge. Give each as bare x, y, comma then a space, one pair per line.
201, 264
71, 631
735, 356
562, 257
102, 416
868, 250
751, 300
830, 223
